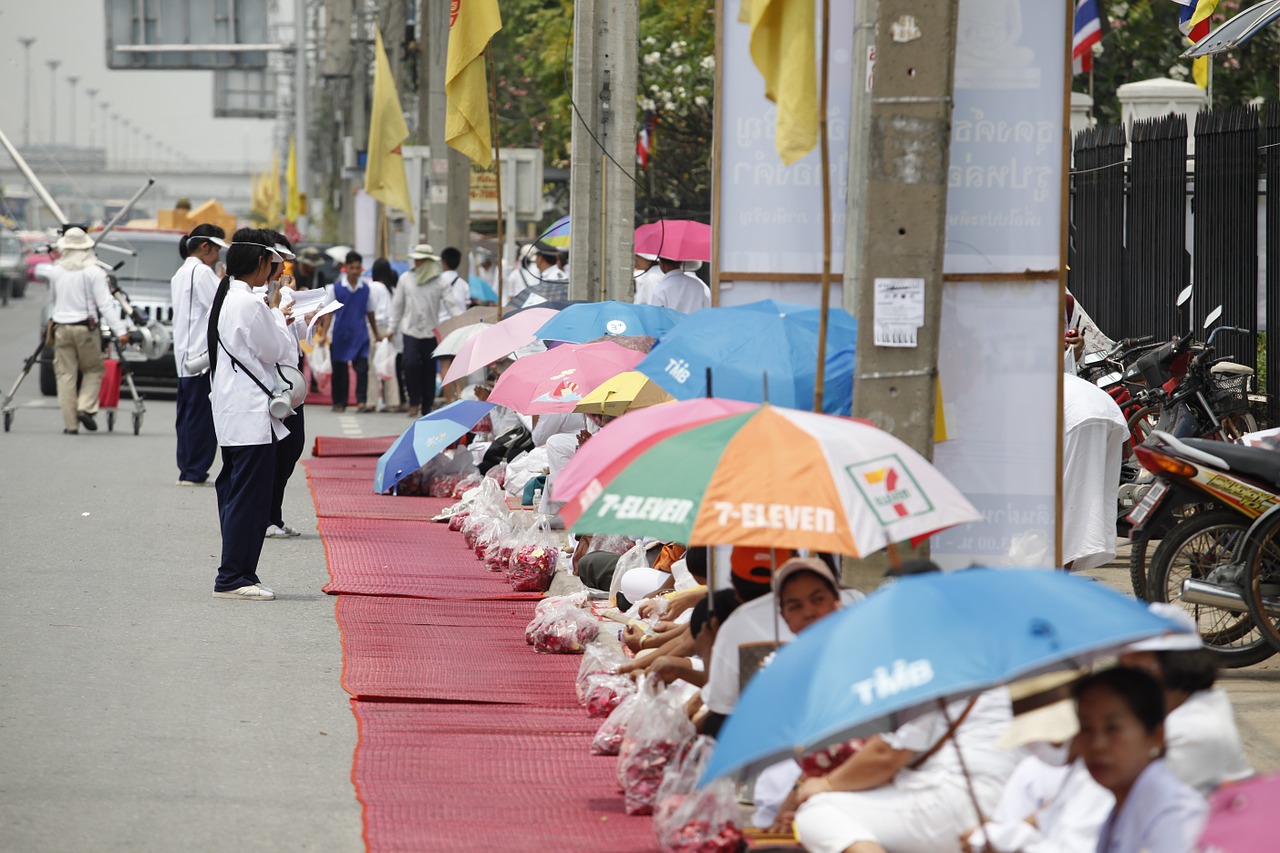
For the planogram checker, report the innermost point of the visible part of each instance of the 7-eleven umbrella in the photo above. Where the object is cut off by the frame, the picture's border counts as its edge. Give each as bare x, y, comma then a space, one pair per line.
558, 379
779, 478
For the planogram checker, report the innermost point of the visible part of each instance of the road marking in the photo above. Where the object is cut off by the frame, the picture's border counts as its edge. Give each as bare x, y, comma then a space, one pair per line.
350, 426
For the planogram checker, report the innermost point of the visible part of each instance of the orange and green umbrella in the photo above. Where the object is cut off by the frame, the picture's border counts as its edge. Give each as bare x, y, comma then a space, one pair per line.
779, 478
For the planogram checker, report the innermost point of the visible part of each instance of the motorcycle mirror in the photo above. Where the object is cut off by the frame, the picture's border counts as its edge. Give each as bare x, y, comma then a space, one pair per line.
1185, 295
1213, 316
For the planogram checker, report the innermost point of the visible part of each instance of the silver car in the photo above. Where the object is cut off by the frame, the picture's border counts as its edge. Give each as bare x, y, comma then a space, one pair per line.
13, 266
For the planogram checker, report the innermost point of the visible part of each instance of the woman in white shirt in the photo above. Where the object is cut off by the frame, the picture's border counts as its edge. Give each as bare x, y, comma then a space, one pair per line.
192, 288
1121, 740
247, 339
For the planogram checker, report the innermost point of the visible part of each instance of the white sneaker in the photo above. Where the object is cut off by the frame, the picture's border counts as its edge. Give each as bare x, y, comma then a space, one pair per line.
252, 592
194, 483
275, 531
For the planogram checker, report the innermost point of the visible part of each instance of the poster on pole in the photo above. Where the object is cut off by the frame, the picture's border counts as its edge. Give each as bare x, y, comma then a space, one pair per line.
1000, 342
769, 216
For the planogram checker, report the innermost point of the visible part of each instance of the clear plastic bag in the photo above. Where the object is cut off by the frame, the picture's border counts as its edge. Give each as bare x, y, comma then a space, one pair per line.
563, 630
465, 484
533, 560
608, 738
605, 692
687, 819
659, 733
598, 658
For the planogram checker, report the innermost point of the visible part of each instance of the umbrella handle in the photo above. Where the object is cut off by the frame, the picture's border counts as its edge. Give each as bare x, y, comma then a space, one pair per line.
968, 780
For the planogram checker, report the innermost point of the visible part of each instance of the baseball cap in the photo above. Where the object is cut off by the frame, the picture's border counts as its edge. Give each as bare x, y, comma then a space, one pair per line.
756, 564
311, 256
803, 564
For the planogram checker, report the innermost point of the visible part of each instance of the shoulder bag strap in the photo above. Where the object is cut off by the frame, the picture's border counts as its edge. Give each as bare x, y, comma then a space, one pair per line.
948, 735
236, 363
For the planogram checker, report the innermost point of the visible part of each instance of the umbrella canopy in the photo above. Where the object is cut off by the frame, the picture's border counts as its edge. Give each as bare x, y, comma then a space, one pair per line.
558, 379
553, 290
510, 310
497, 341
581, 323
675, 239
481, 290
621, 394
453, 341
1236, 31
918, 640
478, 314
426, 437
557, 235
639, 343
748, 345
779, 478
1240, 816
613, 448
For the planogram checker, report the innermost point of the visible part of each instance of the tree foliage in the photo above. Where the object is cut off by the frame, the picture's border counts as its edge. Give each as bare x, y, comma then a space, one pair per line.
1142, 42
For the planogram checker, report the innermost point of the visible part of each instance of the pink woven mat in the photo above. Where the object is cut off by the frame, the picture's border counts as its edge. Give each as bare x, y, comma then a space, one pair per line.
451, 651
427, 786
334, 445
406, 558
346, 498
341, 468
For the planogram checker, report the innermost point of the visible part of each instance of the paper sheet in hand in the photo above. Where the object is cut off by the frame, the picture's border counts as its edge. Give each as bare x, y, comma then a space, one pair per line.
899, 311
328, 309
304, 301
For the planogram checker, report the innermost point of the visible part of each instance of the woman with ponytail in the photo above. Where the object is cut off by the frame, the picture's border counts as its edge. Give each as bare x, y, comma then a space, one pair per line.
247, 339
192, 289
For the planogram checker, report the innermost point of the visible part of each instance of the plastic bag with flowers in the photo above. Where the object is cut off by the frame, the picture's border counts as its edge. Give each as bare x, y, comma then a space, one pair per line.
687, 819
533, 560
564, 630
599, 658
659, 733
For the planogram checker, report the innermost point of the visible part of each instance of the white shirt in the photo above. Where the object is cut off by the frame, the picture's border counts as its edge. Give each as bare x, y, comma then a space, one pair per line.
557, 423
259, 339
191, 290
415, 308
681, 292
645, 282
987, 763
757, 621
1093, 446
1160, 815
1202, 743
457, 293
379, 303
518, 281
80, 294
1068, 806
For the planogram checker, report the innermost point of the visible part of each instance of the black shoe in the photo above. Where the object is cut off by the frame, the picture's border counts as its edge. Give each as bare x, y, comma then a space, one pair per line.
88, 421
71, 432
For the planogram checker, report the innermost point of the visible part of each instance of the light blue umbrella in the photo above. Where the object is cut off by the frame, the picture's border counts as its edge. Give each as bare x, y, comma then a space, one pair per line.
426, 437
747, 346
587, 321
918, 640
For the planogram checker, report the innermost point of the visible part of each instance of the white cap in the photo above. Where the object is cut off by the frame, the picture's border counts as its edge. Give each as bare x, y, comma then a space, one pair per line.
1180, 641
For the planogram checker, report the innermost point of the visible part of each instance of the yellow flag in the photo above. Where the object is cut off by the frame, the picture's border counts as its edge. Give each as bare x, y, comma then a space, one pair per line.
783, 46
292, 200
466, 85
384, 172
1200, 71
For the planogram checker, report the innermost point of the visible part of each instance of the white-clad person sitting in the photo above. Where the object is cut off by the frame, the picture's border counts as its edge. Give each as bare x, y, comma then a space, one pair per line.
247, 339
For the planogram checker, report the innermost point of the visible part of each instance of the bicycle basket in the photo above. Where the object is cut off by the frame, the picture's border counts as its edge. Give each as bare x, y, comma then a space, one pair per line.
1230, 393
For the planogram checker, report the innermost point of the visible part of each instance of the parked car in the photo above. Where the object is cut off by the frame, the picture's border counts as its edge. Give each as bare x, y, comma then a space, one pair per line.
39, 256
13, 267
145, 278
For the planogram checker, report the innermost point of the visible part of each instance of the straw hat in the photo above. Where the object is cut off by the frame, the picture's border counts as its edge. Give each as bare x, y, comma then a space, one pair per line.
423, 252
1043, 710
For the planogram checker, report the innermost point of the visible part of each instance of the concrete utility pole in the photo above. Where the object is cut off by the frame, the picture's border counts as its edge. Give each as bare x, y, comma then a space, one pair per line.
908, 150
26, 42
301, 139
602, 194
864, 43
449, 174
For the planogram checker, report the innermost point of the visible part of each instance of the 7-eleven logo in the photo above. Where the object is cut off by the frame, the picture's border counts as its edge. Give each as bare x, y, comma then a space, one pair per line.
889, 489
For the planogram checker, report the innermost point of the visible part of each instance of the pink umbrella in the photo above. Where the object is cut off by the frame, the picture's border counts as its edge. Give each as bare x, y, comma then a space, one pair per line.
558, 379
1240, 817
675, 239
498, 341
622, 440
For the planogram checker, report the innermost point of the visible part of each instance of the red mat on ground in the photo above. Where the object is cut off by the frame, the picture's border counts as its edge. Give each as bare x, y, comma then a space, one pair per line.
333, 445
406, 558
341, 498
425, 787
452, 651
342, 468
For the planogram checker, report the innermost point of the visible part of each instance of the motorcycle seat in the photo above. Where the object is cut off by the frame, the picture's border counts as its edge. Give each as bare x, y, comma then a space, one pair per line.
1259, 463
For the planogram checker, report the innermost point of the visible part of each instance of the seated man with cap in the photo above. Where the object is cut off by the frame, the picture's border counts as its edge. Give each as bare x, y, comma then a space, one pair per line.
1051, 804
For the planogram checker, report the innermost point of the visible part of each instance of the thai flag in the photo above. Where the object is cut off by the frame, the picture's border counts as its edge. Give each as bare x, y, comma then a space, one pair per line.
1088, 32
644, 141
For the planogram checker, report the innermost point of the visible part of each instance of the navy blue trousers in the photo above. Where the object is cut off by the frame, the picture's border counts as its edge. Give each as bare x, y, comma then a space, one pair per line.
197, 441
288, 452
420, 372
340, 382
244, 501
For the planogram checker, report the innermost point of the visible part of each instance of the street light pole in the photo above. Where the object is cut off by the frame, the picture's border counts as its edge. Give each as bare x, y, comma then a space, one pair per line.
73, 80
106, 130
26, 42
93, 122
53, 99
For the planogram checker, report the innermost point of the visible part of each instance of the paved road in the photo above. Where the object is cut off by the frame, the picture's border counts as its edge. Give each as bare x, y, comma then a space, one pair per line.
136, 712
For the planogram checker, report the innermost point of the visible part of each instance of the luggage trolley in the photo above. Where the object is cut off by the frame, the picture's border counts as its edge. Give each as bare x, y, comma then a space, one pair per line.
7, 403
115, 370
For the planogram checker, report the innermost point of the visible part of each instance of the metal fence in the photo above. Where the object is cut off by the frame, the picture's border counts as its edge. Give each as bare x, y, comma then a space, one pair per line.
1131, 250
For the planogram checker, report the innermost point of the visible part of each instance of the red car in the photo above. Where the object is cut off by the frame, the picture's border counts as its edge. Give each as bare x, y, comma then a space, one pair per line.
37, 245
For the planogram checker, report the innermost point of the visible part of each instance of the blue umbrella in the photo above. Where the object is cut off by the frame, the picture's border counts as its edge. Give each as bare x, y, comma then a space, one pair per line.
481, 291
585, 322
426, 437
923, 638
746, 344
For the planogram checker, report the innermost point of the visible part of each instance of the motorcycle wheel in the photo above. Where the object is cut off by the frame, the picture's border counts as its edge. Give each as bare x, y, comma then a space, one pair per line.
1234, 426
1262, 559
1193, 549
1141, 423
1138, 552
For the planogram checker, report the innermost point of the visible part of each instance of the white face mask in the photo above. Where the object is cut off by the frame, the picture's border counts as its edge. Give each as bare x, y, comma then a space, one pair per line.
1053, 754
